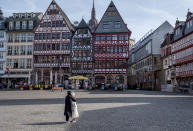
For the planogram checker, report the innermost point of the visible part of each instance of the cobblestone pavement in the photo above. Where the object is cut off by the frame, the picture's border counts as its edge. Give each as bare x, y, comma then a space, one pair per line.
99, 111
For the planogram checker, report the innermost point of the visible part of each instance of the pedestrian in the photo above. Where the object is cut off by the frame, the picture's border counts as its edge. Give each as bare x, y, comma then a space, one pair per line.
68, 105
74, 108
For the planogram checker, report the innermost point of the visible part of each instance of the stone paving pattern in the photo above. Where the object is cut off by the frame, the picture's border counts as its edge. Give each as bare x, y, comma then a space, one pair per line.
99, 111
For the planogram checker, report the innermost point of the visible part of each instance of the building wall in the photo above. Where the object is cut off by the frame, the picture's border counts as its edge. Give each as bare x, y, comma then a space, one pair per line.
2, 52
159, 36
19, 49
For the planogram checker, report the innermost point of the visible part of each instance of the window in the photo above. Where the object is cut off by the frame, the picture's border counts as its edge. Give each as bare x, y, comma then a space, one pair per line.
29, 50
17, 39
108, 37
121, 37
124, 49
58, 46
49, 24
102, 37
23, 38
53, 23
1, 66
30, 37
114, 37
68, 35
57, 24
106, 25
126, 37
1, 34
24, 24
44, 36
53, 35
40, 36
53, 46
15, 64
11, 25
36, 36
1, 55
58, 35
9, 63
22, 63
1, 45
30, 24
117, 25
97, 37
16, 50
22, 51
29, 64
115, 49
63, 35
9, 50
120, 49
17, 25
48, 35
10, 37
45, 24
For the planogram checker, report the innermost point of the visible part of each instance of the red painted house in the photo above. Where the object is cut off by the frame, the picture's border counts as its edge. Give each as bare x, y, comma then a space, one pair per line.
111, 49
52, 46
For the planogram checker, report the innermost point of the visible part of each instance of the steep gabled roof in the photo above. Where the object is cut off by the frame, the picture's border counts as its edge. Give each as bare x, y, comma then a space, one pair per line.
82, 24
64, 16
111, 18
66, 19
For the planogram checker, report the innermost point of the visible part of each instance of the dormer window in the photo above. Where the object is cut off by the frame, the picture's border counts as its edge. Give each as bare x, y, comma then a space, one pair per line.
177, 31
30, 24
17, 25
11, 25
24, 24
189, 24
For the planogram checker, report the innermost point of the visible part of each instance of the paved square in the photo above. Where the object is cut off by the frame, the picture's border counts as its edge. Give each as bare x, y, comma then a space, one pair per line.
99, 111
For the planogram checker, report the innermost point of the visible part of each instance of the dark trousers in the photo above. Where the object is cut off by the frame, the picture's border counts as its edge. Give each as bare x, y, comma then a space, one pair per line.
67, 117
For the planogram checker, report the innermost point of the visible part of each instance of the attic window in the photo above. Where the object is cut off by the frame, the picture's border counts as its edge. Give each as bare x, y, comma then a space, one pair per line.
111, 14
106, 25
117, 24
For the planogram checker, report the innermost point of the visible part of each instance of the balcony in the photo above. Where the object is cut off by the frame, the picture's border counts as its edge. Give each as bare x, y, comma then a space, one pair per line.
110, 71
82, 71
111, 43
46, 65
183, 46
184, 73
55, 52
183, 60
111, 55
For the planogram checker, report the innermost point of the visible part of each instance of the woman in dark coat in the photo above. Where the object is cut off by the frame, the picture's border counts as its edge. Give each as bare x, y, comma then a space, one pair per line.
68, 105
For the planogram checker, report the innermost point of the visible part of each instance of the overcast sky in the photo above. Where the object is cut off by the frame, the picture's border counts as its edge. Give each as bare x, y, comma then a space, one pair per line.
139, 15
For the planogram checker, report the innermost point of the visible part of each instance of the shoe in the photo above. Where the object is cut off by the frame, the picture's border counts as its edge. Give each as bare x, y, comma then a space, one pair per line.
67, 121
73, 121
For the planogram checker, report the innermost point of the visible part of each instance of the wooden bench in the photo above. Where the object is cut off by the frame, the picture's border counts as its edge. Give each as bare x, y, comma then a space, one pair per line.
58, 88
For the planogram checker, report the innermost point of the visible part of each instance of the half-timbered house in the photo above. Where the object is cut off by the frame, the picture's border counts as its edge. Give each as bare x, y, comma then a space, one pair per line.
82, 51
111, 48
52, 46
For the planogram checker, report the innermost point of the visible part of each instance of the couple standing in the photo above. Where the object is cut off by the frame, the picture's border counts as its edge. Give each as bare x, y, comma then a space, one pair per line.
71, 109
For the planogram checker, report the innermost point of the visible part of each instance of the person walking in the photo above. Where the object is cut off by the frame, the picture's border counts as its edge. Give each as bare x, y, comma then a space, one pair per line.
74, 108
68, 106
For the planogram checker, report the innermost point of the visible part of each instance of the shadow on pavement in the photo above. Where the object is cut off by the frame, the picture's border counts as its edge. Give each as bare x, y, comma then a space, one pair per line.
47, 123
